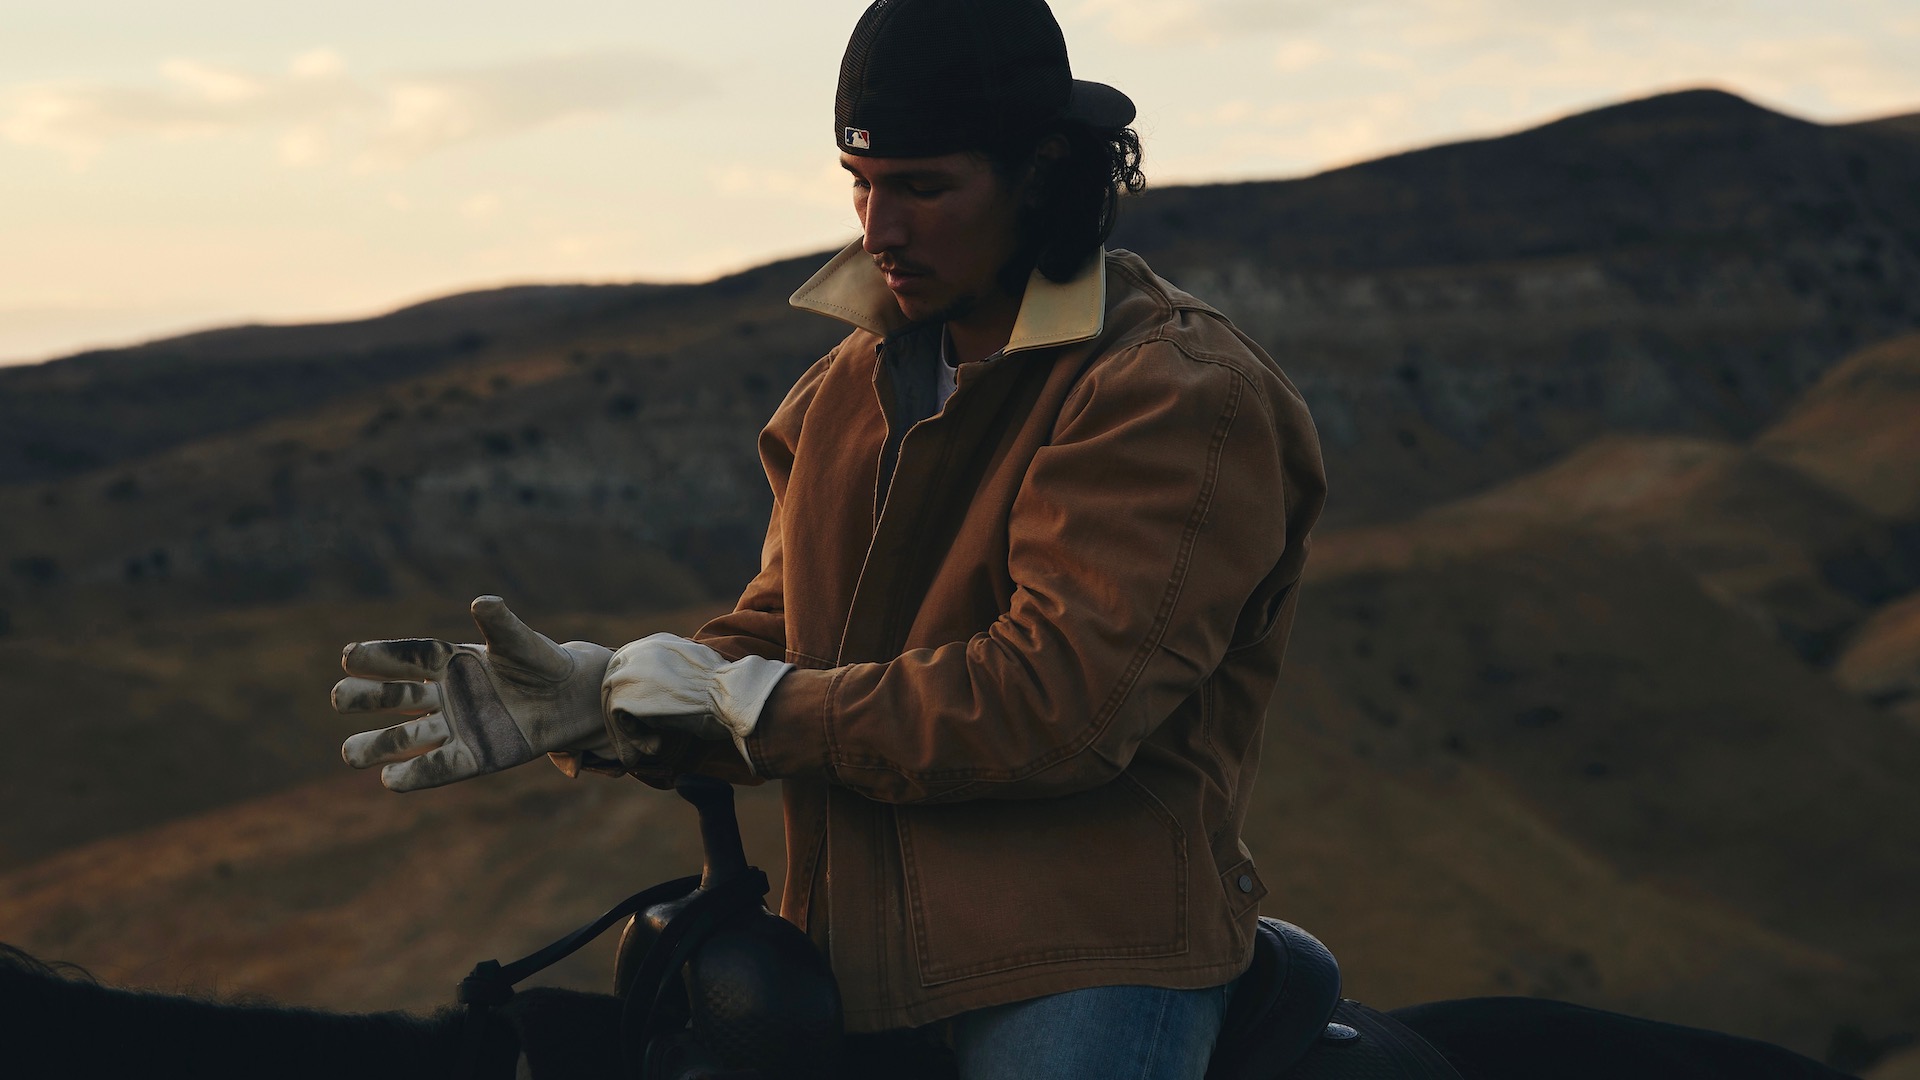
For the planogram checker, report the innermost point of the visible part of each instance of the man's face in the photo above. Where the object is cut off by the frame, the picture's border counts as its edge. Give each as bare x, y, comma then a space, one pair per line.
939, 228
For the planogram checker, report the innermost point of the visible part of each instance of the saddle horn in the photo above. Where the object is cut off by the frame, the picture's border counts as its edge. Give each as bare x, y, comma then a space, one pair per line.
713, 981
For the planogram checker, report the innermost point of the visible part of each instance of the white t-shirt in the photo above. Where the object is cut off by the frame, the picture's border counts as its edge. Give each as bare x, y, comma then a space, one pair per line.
943, 375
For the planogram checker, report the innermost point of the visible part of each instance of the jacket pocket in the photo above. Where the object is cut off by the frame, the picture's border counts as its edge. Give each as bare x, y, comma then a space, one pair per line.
994, 885
1261, 614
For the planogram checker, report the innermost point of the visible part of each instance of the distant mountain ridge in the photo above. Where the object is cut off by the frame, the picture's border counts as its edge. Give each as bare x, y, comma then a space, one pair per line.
1686, 262
1605, 683
1546, 740
1455, 316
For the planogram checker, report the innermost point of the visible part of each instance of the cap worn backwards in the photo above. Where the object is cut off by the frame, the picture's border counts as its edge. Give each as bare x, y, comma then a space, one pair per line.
927, 77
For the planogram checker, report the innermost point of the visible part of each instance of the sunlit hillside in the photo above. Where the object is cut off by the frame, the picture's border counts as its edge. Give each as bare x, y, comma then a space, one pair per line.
1605, 684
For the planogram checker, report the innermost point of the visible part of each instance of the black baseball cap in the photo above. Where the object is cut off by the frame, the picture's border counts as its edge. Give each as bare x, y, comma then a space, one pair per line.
928, 77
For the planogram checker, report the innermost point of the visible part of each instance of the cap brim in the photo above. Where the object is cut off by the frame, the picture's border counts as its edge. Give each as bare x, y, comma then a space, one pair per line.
1099, 105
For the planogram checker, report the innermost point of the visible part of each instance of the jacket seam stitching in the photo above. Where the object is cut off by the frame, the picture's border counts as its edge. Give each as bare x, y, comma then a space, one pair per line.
1182, 941
1176, 584
1149, 644
916, 532
1102, 717
1162, 335
827, 702
1159, 295
810, 867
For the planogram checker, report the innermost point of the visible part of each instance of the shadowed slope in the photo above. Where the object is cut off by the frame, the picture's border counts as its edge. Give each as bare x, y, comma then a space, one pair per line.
343, 895
142, 723
1562, 770
1880, 660
1858, 430
1563, 738
1454, 315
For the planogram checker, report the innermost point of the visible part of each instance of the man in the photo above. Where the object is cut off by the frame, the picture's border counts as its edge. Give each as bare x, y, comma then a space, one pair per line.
1037, 530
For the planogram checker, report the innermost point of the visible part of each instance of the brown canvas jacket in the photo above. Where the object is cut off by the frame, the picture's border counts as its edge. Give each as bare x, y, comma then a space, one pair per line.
1031, 681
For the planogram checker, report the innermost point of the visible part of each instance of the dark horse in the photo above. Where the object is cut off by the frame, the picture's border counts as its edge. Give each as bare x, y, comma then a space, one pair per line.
700, 984
57, 1024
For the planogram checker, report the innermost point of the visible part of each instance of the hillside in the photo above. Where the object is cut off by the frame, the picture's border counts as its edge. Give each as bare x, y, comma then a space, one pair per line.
177, 714
1553, 739
1490, 771
1605, 683
1812, 529
1686, 262
1907, 124
1456, 316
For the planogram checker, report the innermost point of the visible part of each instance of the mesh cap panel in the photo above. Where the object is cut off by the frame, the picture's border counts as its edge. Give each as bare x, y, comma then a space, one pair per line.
927, 77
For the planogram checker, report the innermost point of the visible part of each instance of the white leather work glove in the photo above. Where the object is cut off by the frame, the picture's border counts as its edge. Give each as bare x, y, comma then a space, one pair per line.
666, 683
476, 709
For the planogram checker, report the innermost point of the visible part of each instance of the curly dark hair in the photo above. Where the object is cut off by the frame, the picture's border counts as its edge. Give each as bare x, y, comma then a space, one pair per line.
1077, 195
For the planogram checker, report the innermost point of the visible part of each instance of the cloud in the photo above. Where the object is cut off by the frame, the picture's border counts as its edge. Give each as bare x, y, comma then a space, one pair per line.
1378, 76
424, 114
1213, 22
1299, 54
316, 109
316, 63
825, 185
1147, 22
303, 145
191, 100
480, 207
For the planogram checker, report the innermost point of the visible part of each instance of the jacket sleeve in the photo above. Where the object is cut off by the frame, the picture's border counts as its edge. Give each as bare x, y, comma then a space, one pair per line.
757, 624
1160, 507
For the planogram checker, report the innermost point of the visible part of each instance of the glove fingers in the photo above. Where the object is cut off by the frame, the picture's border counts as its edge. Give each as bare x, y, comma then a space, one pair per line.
397, 743
513, 641
356, 695
646, 734
637, 734
400, 658
450, 763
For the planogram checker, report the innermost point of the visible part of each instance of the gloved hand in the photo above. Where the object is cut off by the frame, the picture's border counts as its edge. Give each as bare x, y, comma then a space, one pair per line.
477, 709
666, 683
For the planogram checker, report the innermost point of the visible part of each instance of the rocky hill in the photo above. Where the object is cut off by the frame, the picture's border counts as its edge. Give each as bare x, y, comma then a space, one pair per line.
1544, 740
1686, 262
1606, 681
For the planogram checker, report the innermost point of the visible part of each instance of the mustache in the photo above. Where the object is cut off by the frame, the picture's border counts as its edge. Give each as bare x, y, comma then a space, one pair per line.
890, 264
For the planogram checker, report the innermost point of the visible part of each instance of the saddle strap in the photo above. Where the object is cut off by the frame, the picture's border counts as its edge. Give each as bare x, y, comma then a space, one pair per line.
1365, 1044
491, 983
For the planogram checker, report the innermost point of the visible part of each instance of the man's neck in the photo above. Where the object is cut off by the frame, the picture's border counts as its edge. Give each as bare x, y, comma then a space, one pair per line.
985, 329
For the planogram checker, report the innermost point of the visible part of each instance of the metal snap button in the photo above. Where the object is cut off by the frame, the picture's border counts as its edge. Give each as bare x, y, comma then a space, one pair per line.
1339, 1033
1246, 882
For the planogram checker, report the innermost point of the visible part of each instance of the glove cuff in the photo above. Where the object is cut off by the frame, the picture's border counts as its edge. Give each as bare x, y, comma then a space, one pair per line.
740, 691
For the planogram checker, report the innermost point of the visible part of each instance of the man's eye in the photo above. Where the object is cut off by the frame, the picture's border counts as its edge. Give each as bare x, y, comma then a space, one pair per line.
919, 192
859, 184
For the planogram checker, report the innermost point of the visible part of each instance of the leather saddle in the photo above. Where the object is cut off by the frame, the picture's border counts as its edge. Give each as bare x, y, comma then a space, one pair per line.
1286, 1020
1279, 1008
715, 987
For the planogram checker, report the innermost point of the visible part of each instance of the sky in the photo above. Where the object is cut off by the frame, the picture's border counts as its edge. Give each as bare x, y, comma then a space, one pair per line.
168, 165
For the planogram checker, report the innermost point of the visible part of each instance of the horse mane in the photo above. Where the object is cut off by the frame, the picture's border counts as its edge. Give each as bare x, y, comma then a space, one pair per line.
16, 959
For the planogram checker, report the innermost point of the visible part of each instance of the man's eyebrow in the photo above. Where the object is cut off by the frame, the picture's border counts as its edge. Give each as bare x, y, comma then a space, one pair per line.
917, 176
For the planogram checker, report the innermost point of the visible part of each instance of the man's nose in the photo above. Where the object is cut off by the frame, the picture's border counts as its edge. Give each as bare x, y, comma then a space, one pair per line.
884, 224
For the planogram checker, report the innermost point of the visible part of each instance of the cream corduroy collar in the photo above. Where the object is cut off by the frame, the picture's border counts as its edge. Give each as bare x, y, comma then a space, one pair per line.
851, 289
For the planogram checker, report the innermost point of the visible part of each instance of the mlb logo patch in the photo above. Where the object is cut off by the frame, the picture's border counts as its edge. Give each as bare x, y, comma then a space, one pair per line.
859, 139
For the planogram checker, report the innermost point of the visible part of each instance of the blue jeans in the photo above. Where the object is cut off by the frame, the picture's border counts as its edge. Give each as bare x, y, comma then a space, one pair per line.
1102, 1033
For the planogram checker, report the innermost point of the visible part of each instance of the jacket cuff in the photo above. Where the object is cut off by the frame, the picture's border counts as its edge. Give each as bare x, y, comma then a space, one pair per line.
791, 738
